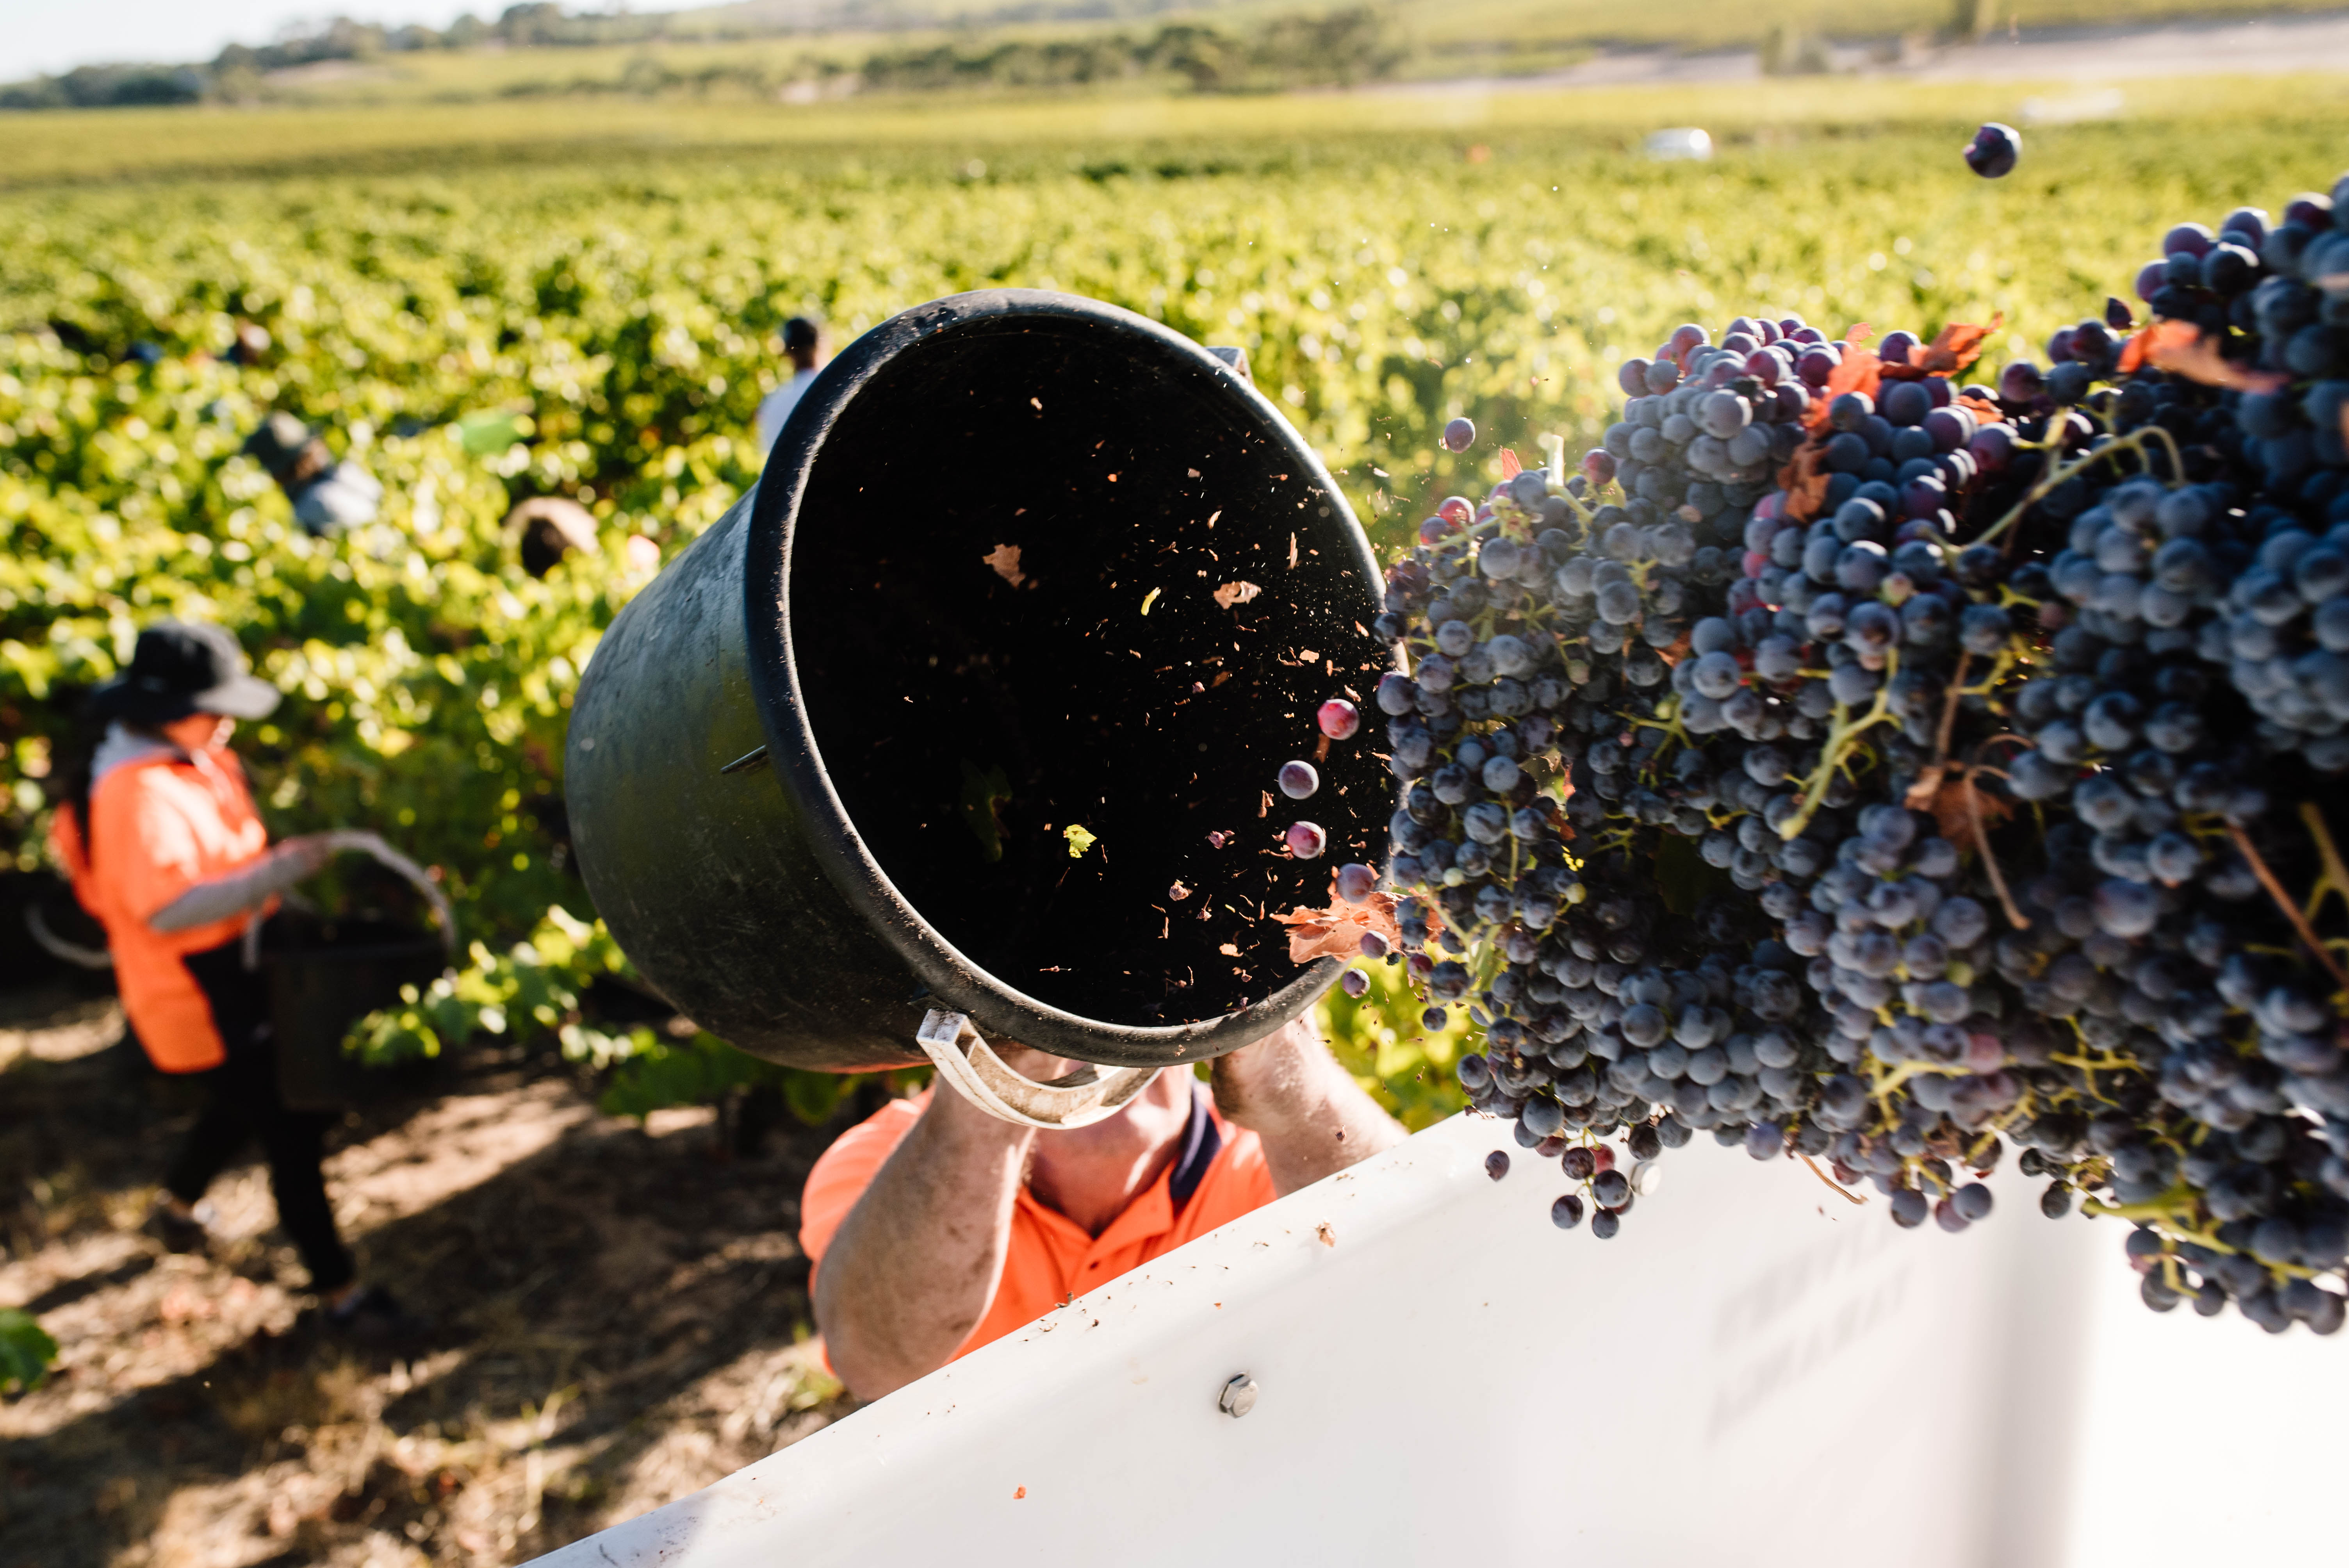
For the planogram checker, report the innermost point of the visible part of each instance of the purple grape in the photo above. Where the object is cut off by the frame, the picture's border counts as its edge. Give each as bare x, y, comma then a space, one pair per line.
1459, 436
2020, 382
2194, 238
1298, 779
1306, 841
1355, 984
1355, 882
1993, 150
1338, 718
1496, 1164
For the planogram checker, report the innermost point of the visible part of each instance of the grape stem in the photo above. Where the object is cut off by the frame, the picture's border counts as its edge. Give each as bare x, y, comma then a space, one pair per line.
1847, 1193
1840, 740
2292, 911
2015, 917
2335, 877
2134, 442
1928, 782
2173, 1212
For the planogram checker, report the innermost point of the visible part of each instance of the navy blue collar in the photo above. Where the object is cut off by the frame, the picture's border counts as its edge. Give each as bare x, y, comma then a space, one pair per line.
1202, 1141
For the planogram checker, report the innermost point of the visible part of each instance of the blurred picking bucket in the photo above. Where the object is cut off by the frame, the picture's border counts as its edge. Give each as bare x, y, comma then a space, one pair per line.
1032, 601
323, 978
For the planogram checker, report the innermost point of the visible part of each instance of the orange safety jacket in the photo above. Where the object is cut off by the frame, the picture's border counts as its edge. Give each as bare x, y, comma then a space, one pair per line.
1218, 1175
158, 826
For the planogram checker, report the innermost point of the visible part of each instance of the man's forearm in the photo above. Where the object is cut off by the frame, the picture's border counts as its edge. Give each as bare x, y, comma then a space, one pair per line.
1313, 1117
916, 1263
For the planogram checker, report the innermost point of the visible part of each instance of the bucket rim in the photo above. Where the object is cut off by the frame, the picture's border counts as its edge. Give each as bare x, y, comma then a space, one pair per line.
948, 975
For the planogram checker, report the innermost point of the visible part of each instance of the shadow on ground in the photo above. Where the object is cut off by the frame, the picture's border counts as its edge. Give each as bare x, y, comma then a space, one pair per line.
619, 1317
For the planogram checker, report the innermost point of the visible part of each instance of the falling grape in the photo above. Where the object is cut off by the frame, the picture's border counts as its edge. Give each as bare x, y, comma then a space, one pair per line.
1993, 150
1338, 718
1355, 984
1496, 1164
1298, 779
1355, 883
1306, 841
1459, 436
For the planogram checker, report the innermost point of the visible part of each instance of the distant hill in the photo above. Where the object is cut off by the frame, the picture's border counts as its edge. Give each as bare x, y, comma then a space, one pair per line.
801, 50
757, 17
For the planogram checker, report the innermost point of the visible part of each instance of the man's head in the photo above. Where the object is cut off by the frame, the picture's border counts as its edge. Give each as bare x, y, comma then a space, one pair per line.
803, 342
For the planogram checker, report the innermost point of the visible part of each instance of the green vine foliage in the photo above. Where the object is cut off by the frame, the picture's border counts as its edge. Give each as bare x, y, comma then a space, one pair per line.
533, 992
27, 1352
476, 337
1406, 1067
533, 987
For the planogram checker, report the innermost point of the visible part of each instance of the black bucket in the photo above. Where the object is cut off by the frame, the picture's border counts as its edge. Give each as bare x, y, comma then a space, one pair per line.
1020, 563
323, 978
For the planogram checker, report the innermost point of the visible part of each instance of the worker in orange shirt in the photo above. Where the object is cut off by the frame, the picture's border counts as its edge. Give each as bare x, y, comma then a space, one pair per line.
165, 850
936, 1228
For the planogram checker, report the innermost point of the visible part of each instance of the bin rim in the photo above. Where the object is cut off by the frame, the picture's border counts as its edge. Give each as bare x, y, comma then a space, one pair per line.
942, 968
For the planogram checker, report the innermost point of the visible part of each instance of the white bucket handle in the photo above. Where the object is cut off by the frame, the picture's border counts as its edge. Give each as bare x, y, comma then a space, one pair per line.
969, 1063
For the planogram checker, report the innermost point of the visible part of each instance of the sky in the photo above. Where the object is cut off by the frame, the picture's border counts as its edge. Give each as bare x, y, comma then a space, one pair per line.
54, 36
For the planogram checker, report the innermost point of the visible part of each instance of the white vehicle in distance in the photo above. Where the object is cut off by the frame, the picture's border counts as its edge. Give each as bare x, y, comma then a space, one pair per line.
1680, 141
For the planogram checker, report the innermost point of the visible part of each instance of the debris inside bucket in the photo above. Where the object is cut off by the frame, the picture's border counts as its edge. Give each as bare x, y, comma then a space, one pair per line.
1118, 670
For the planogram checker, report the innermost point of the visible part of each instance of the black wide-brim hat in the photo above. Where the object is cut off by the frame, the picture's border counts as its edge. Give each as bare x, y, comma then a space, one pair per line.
181, 667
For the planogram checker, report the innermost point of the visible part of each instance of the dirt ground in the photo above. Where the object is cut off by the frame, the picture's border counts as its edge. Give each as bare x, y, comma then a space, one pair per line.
619, 1317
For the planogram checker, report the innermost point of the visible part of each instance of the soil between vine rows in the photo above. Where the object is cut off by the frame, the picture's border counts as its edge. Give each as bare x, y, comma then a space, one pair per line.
200, 1417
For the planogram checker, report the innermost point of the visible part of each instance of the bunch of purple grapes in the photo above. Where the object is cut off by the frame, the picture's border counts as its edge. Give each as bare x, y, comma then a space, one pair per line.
1944, 766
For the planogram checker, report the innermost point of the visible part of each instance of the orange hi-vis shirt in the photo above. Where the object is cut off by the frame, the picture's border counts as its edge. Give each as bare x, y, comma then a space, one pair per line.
157, 827
1218, 1175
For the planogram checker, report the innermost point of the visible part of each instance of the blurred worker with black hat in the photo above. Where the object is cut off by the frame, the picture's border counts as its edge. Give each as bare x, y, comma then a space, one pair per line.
804, 347
165, 850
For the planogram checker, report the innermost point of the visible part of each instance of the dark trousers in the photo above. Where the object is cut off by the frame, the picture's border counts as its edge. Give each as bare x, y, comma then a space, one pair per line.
243, 1103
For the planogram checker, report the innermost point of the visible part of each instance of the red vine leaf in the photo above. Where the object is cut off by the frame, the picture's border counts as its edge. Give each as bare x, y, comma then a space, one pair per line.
2177, 347
1510, 467
1953, 806
2137, 347
1338, 931
1860, 371
1805, 479
1955, 347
